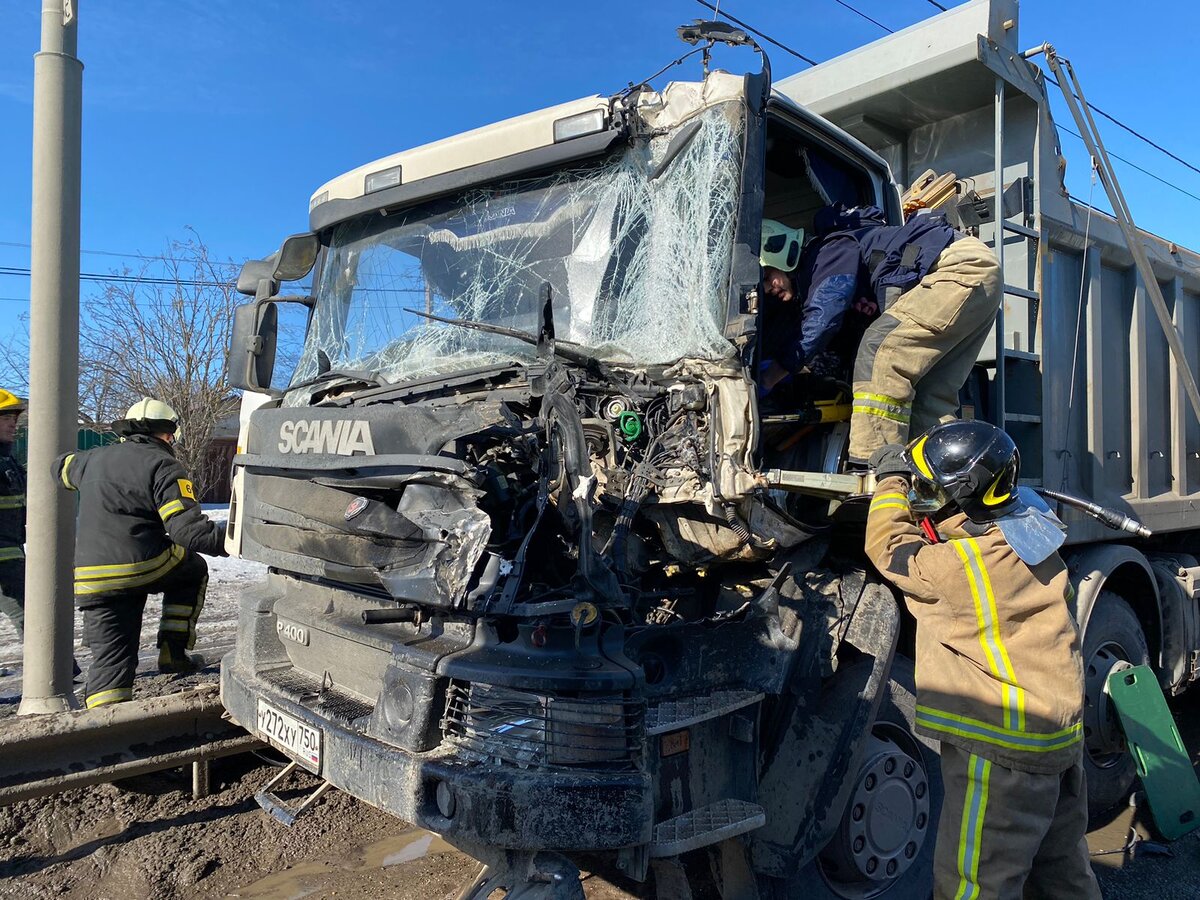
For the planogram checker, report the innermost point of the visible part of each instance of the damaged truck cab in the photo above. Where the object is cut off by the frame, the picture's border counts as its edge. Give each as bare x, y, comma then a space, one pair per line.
532, 583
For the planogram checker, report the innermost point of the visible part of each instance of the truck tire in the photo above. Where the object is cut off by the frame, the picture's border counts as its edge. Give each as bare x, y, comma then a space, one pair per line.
1114, 639
841, 870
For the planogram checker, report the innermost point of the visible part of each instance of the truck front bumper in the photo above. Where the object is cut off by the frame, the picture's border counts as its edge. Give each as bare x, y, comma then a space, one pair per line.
465, 802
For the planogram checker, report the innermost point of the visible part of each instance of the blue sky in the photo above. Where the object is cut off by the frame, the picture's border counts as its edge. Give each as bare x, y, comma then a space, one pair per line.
225, 116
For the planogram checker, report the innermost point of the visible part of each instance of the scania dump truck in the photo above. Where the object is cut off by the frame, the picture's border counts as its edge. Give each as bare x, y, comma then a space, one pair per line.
545, 579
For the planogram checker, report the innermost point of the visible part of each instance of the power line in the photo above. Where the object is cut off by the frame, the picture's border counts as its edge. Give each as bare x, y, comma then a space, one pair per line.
1091, 106
145, 256
1134, 165
938, 5
863, 15
736, 21
124, 279
1134, 132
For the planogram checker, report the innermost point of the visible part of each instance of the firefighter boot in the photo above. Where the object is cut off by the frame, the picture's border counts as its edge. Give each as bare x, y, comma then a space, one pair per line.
174, 660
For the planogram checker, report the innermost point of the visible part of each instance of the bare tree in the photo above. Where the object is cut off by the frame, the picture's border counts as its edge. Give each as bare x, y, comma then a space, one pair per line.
162, 332
14, 359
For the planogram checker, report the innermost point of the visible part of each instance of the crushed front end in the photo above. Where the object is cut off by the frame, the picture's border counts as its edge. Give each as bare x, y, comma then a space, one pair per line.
528, 586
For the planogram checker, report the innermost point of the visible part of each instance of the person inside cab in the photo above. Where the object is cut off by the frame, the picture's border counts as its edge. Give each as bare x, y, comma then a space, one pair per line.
802, 332
937, 292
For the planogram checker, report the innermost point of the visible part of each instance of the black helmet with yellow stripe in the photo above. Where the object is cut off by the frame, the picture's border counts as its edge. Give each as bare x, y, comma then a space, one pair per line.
970, 463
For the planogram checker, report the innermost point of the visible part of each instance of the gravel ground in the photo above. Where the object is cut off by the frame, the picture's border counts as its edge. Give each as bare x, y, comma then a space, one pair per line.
147, 838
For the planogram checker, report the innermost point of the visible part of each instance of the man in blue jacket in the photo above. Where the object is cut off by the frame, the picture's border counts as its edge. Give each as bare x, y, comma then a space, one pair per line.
938, 292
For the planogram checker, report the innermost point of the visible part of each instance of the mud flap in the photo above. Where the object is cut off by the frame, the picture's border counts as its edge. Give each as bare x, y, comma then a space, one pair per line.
1162, 762
807, 782
270, 802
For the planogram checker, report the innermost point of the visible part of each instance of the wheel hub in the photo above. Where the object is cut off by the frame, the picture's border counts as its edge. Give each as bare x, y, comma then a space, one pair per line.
885, 823
1102, 735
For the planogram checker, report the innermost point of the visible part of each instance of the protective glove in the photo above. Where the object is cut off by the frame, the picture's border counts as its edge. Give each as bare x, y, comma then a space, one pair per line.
888, 461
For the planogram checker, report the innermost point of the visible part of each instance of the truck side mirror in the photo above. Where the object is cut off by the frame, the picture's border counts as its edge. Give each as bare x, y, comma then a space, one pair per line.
296, 256
259, 278
251, 359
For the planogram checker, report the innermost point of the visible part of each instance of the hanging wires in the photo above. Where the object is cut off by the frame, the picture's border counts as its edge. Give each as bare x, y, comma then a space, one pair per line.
1083, 279
766, 37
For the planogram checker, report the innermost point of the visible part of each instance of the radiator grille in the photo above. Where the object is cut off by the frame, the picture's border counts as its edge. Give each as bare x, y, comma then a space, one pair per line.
530, 730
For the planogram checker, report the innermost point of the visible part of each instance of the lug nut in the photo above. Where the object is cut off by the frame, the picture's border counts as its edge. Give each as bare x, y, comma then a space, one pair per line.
889, 767
869, 784
858, 812
891, 867
859, 843
909, 768
921, 820
910, 850
920, 790
872, 865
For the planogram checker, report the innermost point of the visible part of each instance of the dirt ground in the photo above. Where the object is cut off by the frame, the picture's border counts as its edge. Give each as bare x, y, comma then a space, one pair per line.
149, 839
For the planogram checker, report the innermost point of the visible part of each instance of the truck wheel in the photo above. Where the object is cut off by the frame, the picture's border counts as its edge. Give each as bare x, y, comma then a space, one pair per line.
884, 844
1114, 640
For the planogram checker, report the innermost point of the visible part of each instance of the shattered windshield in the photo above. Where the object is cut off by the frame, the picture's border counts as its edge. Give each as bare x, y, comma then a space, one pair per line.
637, 264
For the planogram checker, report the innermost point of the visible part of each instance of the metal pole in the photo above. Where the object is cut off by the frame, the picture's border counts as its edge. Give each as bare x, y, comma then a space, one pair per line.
999, 392
53, 360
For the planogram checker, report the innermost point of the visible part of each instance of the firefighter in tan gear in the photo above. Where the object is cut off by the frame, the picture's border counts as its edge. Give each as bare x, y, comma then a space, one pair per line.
999, 673
140, 531
12, 515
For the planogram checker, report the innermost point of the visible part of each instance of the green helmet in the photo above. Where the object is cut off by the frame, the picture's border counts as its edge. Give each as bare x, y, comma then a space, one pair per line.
781, 246
148, 416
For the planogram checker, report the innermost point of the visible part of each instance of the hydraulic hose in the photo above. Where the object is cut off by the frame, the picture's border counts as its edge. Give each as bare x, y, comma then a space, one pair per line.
1115, 520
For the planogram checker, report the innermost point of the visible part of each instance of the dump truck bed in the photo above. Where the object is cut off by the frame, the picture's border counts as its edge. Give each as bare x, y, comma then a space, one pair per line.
1092, 394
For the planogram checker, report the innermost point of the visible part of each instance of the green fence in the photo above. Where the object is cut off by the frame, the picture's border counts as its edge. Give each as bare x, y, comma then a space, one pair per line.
87, 439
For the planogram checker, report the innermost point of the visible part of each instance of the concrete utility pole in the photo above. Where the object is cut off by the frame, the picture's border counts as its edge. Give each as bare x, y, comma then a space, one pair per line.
53, 360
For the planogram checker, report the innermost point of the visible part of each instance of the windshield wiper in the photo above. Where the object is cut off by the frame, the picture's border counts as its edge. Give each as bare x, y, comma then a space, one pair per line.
566, 349
329, 374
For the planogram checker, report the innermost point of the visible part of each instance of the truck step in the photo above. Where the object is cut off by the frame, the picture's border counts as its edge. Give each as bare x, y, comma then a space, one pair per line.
674, 714
704, 826
270, 802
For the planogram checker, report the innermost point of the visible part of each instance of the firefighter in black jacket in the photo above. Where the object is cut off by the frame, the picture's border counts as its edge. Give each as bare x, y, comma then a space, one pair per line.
140, 531
12, 516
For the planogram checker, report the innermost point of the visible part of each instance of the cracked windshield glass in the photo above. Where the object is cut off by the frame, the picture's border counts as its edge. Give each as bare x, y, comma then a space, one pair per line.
638, 265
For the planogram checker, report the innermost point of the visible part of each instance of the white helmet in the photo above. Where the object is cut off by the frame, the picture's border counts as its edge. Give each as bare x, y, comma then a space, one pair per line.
781, 246
148, 416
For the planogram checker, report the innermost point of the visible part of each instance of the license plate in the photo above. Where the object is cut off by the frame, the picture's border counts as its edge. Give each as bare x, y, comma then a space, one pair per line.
291, 735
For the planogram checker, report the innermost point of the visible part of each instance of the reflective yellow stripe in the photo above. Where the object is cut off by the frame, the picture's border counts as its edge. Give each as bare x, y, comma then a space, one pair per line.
964, 726
918, 457
882, 398
118, 569
115, 695
169, 509
988, 620
63, 475
178, 611
175, 625
883, 414
7, 553
12, 501
892, 505
970, 833
1015, 691
890, 495
98, 585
